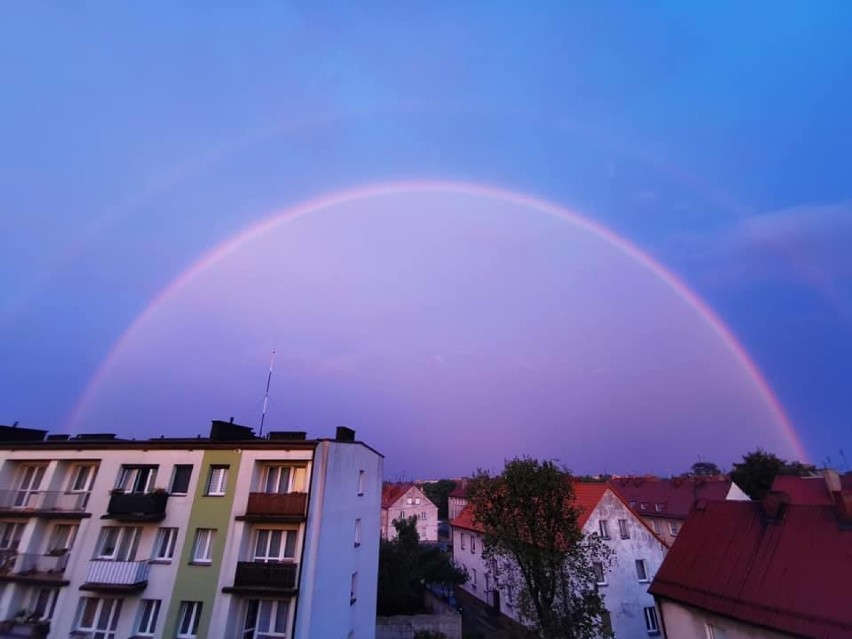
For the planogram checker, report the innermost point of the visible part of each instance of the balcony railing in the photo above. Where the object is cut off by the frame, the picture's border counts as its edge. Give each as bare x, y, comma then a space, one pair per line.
137, 506
43, 501
116, 575
276, 505
265, 576
32, 565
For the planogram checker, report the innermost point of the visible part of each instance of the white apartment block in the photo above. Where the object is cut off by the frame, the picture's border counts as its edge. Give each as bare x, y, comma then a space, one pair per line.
637, 555
226, 536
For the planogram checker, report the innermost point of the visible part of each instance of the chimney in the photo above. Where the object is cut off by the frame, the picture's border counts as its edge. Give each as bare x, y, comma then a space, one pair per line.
344, 434
773, 505
832, 480
843, 503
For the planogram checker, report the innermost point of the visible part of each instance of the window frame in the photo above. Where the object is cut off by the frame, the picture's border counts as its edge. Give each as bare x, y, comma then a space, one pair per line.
642, 575
189, 611
205, 538
674, 528
652, 622
9, 540
122, 533
180, 468
603, 528
623, 529
353, 589
361, 483
114, 613
357, 532
600, 575
130, 474
217, 488
286, 534
76, 470
151, 609
169, 535
255, 632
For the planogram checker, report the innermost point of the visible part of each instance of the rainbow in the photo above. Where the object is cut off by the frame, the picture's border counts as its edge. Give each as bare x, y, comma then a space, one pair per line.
312, 206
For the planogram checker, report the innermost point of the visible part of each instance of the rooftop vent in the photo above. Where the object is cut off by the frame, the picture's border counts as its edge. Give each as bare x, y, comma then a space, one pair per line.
288, 435
344, 434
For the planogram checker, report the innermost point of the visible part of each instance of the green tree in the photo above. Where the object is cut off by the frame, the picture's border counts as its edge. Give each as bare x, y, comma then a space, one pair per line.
533, 541
438, 493
758, 469
704, 469
406, 569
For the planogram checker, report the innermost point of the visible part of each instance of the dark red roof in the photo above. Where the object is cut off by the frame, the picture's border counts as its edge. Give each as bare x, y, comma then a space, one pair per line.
793, 574
808, 490
670, 498
392, 492
460, 491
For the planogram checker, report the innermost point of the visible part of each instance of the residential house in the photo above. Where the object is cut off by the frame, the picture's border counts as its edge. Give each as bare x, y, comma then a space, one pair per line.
637, 552
815, 491
406, 500
664, 504
230, 535
760, 570
457, 499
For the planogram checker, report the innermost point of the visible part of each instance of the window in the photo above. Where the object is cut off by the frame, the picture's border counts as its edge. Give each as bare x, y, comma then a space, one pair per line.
409, 501
357, 532
149, 610
600, 575
202, 552
118, 543
643, 506
353, 589
164, 544
61, 539
462, 540
82, 476
136, 479
417, 501
623, 529
641, 570
180, 479
28, 482
43, 602
658, 527
266, 619
473, 578
98, 618
603, 525
659, 507
10, 535
277, 479
712, 631
361, 478
651, 624
472, 544
218, 481
674, 528
423, 515
188, 618
274, 545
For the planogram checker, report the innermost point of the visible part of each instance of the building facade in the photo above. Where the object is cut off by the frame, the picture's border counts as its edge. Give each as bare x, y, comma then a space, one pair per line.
230, 535
403, 501
637, 555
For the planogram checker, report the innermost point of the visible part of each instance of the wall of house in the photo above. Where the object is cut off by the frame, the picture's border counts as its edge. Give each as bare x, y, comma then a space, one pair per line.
331, 555
455, 506
685, 622
666, 527
407, 506
625, 596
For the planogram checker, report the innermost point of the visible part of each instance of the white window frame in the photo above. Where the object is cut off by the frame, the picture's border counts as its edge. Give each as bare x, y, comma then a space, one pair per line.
674, 528
149, 613
202, 549
599, 580
642, 571
652, 624
658, 527
88, 472
10, 535
28, 483
61, 538
50, 601
274, 476
189, 618
473, 544
623, 529
461, 541
109, 605
264, 544
167, 536
217, 481
473, 581
276, 608
603, 528
357, 532
127, 541
137, 478
361, 477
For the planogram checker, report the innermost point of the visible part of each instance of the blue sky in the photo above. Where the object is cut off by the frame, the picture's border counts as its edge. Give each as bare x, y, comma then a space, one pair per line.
137, 138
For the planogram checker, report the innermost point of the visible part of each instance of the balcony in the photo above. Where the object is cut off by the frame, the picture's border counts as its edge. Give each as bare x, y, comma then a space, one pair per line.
257, 577
281, 507
137, 506
116, 576
32, 568
43, 503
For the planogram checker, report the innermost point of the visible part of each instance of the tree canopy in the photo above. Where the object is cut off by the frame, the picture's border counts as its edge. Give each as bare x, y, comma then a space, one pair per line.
533, 542
438, 493
406, 568
758, 469
705, 469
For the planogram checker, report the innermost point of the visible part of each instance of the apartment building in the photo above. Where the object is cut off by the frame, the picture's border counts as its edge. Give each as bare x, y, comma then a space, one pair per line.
230, 535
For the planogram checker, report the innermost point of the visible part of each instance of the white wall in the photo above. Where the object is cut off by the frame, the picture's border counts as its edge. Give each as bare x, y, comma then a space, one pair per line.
425, 511
684, 622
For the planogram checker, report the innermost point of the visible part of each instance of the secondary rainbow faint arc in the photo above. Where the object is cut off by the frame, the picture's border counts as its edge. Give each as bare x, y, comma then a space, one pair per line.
464, 188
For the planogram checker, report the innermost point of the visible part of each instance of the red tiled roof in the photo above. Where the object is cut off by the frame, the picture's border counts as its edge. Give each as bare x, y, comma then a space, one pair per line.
392, 492
808, 490
465, 520
460, 491
670, 498
793, 575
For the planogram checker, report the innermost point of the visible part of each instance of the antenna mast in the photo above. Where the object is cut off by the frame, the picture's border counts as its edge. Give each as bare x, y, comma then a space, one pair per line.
266, 396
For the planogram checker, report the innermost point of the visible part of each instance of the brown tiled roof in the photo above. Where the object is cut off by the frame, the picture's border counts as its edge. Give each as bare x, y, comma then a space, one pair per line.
392, 492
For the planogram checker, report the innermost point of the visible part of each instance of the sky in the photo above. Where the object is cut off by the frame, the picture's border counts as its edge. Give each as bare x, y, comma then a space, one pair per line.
613, 234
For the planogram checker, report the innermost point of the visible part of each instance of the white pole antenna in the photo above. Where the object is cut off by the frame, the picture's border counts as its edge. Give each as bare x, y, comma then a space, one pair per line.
266, 396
